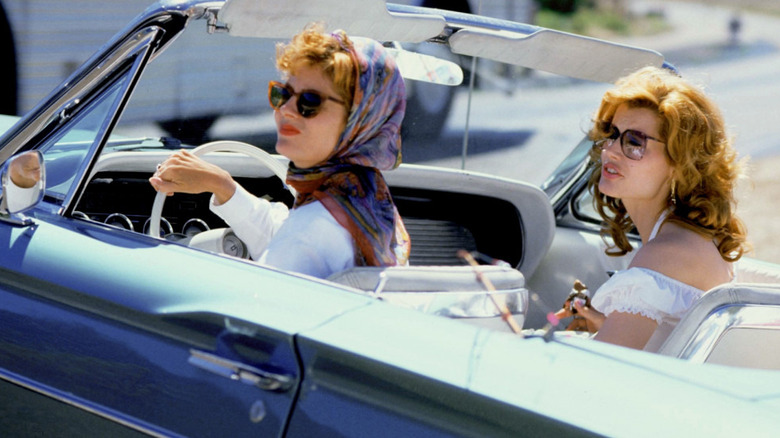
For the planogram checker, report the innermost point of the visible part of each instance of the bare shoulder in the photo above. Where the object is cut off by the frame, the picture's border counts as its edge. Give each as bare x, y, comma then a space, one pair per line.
684, 255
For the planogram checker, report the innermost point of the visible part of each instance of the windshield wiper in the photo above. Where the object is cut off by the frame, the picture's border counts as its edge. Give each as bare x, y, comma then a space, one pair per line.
127, 143
136, 143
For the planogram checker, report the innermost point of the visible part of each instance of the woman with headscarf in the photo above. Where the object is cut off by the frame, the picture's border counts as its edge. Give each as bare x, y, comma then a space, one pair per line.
338, 118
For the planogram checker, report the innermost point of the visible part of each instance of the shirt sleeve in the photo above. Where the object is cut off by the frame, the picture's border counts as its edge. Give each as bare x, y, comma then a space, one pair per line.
254, 220
645, 292
17, 198
311, 242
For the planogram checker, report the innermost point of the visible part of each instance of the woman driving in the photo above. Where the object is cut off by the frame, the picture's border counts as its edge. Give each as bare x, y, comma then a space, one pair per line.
338, 119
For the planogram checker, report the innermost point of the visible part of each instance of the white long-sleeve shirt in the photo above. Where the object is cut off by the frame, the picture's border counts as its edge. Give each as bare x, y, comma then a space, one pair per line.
18, 198
306, 239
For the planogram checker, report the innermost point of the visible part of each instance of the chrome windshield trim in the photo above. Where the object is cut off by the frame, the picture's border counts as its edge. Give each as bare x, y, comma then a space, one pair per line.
73, 96
138, 49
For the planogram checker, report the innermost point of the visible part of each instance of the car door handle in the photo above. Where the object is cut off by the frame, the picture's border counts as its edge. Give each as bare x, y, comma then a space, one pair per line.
240, 372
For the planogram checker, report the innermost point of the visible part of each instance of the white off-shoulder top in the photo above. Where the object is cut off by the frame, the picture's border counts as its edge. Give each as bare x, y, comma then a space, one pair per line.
645, 292
648, 293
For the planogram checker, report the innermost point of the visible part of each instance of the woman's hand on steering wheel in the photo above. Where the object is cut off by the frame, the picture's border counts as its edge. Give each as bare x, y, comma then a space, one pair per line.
184, 172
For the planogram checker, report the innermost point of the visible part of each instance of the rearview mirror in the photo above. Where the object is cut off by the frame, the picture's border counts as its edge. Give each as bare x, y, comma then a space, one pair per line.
23, 181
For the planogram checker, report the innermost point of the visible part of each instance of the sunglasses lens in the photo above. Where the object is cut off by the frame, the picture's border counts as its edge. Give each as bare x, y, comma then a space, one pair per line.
633, 144
309, 104
278, 95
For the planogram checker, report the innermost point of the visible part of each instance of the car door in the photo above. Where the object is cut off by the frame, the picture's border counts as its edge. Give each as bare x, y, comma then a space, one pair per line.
94, 335
70, 363
104, 329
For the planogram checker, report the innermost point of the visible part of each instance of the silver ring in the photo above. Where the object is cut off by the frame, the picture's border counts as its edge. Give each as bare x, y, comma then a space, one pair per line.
159, 165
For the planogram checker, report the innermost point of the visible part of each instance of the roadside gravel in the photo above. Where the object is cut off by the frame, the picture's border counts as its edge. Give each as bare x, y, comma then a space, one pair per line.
757, 196
695, 46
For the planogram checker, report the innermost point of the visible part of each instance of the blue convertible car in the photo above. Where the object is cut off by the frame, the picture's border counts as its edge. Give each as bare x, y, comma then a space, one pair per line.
123, 313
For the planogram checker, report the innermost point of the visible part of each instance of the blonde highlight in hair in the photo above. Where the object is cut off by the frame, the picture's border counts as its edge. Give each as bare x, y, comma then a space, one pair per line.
330, 52
704, 162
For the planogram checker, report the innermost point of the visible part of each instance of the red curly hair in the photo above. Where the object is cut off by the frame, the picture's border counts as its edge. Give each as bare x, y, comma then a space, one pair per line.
704, 162
331, 52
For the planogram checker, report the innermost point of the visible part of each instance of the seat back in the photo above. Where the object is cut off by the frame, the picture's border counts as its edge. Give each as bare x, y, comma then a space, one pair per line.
451, 291
757, 271
734, 324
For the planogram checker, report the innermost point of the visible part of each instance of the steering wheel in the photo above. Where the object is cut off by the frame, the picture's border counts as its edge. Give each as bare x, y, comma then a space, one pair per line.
221, 146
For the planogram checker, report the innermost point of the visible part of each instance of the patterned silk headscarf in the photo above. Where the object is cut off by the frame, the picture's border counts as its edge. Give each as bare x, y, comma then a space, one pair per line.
349, 184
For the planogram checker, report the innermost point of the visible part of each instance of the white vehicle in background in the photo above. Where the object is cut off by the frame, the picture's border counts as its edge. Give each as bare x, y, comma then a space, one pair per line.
43, 41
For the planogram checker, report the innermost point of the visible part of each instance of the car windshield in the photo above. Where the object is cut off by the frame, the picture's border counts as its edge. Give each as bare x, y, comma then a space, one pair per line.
503, 124
64, 153
567, 170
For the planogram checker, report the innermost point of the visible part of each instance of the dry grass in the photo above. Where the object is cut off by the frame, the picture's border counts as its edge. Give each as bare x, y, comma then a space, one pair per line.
758, 193
767, 6
756, 205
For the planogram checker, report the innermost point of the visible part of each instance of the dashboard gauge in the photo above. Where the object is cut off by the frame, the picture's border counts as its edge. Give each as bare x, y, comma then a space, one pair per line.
165, 227
119, 220
194, 226
233, 246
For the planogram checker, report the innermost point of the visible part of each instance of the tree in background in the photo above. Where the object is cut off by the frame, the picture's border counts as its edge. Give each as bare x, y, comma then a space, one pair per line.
617, 7
563, 6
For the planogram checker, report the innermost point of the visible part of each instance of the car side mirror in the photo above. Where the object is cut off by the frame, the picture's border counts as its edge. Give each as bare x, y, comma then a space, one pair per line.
23, 182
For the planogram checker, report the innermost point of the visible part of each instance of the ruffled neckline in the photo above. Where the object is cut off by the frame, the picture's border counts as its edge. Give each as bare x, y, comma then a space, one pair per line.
659, 276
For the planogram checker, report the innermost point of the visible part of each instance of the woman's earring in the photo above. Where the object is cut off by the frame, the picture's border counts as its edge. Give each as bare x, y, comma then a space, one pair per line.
674, 193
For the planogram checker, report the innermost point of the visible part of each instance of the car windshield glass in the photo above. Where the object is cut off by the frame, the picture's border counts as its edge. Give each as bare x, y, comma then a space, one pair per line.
65, 153
502, 119
567, 169
180, 99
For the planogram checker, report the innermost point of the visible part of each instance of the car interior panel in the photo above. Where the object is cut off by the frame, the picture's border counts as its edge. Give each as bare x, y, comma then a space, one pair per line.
433, 215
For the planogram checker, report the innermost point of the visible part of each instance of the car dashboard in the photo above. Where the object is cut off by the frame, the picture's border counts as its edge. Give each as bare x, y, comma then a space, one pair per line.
124, 199
440, 216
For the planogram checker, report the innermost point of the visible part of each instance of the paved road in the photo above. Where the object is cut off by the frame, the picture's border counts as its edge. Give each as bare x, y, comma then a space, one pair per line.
545, 118
742, 78
526, 134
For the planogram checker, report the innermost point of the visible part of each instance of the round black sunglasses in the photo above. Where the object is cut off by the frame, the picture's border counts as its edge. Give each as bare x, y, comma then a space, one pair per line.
308, 102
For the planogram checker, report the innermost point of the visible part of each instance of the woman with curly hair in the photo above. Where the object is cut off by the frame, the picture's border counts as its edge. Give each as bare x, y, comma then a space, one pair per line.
338, 116
666, 167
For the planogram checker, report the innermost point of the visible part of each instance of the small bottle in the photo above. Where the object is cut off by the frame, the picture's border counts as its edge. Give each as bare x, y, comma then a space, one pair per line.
579, 293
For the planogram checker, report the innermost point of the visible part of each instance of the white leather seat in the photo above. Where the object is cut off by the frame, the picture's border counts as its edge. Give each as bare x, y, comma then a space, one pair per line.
735, 324
451, 291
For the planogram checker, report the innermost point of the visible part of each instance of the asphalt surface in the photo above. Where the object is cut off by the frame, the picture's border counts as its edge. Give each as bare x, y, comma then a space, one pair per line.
743, 78
512, 138
525, 133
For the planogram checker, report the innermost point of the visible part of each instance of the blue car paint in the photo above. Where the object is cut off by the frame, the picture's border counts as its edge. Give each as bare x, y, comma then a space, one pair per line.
59, 281
142, 326
125, 268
